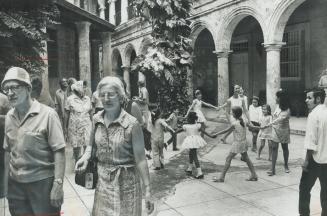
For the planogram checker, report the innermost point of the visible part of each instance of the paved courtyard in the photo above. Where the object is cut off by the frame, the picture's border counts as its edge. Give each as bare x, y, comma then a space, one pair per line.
176, 194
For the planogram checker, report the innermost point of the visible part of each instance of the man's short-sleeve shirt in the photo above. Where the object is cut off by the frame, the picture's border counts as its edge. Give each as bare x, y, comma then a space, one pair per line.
32, 142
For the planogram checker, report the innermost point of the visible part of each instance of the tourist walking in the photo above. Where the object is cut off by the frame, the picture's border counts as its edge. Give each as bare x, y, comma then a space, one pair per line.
35, 150
239, 145
255, 112
79, 119
157, 138
280, 132
193, 141
4, 108
196, 106
60, 101
120, 152
315, 144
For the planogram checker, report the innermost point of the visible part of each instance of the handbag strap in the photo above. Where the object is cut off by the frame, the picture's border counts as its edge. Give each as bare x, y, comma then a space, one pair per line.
94, 146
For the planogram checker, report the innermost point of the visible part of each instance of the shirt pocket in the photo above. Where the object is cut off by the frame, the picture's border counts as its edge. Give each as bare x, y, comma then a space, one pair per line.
33, 141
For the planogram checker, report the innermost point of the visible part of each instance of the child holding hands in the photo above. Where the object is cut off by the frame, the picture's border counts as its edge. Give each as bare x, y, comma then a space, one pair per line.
239, 145
193, 141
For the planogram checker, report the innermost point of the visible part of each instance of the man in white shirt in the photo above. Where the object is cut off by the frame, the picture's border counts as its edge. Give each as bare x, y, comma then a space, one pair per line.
315, 163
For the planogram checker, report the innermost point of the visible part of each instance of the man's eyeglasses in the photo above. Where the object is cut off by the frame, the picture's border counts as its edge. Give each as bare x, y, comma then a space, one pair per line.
13, 88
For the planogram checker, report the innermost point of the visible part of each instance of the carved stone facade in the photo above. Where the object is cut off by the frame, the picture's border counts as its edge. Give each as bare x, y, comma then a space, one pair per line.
255, 31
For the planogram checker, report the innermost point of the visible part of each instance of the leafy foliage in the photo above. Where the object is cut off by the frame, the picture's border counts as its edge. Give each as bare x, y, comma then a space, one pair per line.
22, 33
170, 56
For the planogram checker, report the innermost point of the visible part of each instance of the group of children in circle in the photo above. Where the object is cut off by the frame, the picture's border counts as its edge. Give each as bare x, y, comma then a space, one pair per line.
195, 131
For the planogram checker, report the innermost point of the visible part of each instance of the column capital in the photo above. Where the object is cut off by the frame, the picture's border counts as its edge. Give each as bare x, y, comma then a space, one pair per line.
222, 53
84, 25
105, 35
111, 1
276, 46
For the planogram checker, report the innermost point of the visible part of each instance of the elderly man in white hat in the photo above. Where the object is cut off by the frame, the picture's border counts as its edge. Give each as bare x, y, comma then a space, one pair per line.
35, 150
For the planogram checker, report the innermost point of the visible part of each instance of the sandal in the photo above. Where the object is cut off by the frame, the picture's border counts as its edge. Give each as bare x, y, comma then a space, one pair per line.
252, 179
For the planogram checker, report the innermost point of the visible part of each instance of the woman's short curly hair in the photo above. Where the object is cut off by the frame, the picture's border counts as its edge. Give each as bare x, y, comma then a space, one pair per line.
114, 82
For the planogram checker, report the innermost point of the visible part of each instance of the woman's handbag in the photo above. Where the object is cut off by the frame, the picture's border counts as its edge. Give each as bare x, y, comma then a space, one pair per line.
89, 178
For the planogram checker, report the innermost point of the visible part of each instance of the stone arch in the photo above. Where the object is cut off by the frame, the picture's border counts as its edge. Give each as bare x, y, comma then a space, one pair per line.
279, 19
230, 22
197, 27
127, 54
116, 62
145, 44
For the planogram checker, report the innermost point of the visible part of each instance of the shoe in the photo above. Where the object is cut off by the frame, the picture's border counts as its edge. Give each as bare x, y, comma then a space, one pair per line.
199, 176
287, 170
148, 156
242, 159
215, 179
188, 172
223, 141
271, 173
175, 149
156, 168
162, 166
252, 179
165, 146
254, 149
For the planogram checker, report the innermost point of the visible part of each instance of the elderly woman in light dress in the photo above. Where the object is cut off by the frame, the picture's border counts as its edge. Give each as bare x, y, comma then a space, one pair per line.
120, 152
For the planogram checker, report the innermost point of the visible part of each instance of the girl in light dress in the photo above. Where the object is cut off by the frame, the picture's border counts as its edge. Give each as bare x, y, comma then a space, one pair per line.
239, 145
265, 133
193, 141
197, 108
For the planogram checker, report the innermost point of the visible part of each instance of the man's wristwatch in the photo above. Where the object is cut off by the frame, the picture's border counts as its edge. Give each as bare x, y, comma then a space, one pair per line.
58, 181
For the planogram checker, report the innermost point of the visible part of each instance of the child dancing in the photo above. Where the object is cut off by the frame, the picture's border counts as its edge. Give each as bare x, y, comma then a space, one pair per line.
239, 145
197, 108
193, 141
157, 138
265, 133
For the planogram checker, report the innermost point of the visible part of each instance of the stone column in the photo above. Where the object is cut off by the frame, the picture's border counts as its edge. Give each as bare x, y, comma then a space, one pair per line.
112, 12
127, 70
223, 75
83, 32
124, 15
273, 72
102, 8
95, 45
106, 53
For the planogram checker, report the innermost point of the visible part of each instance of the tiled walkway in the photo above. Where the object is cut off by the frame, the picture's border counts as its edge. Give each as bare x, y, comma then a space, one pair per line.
179, 195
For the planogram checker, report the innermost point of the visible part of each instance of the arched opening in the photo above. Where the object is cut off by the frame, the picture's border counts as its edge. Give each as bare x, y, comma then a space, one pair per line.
133, 77
205, 67
303, 58
117, 64
247, 61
